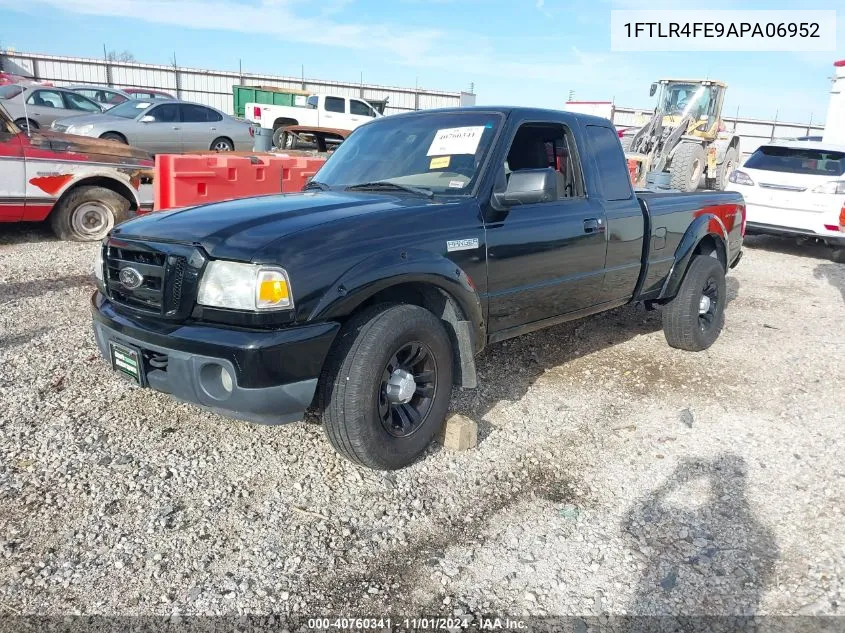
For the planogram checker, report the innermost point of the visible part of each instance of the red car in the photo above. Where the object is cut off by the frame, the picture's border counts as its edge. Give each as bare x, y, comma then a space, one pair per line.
83, 186
147, 93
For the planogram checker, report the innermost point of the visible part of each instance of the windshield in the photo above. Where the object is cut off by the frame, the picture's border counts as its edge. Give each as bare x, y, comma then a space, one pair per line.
681, 98
129, 109
441, 152
814, 162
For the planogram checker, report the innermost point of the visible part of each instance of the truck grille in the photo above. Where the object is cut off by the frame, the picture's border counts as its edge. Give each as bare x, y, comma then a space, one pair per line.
152, 279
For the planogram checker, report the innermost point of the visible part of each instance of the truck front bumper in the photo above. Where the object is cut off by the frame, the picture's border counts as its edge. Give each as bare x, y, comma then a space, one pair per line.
272, 374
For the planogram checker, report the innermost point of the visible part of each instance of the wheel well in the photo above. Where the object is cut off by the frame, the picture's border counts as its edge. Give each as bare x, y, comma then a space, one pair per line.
711, 246
225, 138
115, 134
284, 122
446, 308
105, 182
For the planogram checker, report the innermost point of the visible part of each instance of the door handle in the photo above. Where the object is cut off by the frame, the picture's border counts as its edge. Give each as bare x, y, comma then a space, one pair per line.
175, 128
593, 225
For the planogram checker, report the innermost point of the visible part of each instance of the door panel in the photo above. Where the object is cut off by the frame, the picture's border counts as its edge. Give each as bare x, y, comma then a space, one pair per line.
334, 113
164, 135
12, 175
197, 132
544, 260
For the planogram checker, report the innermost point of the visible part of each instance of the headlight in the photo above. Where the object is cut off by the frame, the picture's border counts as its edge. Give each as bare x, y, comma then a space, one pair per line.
81, 130
98, 264
238, 286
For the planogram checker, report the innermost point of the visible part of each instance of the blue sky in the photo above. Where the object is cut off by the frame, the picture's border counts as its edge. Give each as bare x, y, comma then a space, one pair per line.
519, 52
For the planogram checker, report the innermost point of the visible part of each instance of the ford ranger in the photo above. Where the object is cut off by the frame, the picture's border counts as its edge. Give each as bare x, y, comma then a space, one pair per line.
424, 238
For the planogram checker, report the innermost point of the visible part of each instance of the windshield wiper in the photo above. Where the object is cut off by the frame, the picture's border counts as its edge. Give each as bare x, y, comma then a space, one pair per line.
315, 184
383, 184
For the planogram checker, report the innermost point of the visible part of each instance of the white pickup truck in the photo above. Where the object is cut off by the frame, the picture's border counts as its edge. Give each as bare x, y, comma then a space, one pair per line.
323, 111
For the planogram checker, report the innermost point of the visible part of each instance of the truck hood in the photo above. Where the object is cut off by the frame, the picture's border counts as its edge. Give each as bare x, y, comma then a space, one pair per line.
238, 229
85, 149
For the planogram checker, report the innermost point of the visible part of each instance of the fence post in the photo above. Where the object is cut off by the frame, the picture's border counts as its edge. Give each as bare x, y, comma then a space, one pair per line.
109, 74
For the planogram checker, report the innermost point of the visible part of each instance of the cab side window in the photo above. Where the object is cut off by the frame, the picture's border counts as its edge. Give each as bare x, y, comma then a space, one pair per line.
543, 145
335, 104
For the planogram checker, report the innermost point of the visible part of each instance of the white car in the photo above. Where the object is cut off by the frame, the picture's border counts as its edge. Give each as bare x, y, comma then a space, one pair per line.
795, 188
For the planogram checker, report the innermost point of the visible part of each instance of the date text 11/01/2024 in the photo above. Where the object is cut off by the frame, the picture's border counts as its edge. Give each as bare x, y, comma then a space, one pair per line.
434, 623
720, 29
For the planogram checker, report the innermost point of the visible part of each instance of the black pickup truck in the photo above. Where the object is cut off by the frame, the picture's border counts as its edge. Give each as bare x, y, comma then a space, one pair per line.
424, 238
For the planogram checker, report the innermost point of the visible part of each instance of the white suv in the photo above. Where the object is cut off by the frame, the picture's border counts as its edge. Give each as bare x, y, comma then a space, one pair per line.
795, 188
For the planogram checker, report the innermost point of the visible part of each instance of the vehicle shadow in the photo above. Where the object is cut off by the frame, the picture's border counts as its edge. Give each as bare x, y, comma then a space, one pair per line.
507, 370
25, 232
835, 275
705, 552
787, 246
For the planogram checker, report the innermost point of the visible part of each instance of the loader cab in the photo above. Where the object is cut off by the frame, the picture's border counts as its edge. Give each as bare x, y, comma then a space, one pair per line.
699, 99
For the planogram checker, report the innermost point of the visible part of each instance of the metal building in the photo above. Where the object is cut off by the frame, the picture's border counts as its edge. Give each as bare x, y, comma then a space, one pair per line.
212, 87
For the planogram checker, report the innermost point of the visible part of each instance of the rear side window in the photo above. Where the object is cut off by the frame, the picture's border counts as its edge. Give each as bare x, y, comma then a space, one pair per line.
7, 92
613, 171
198, 114
335, 104
793, 160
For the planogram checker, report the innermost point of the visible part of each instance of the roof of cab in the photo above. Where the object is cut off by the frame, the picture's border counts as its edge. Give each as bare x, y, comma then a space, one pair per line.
539, 113
817, 145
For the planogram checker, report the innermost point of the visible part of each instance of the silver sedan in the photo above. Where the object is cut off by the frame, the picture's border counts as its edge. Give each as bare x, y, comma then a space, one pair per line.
165, 126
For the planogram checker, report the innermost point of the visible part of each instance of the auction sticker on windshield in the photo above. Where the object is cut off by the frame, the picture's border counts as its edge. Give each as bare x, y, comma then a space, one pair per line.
456, 140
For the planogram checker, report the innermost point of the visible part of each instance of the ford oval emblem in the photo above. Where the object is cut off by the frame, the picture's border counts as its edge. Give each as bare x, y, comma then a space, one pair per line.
131, 278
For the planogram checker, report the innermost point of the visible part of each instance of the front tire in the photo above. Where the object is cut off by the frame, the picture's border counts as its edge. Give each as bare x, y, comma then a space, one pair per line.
87, 214
838, 255
386, 386
114, 136
23, 123
687, 167
694, 319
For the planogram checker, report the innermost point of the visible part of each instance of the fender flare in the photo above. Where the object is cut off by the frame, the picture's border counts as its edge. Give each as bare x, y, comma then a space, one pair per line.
122, 181
400, 266
704, 226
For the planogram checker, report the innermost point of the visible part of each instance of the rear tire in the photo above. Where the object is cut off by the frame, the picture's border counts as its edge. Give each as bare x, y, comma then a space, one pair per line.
283, 140
724, 170
374, 353
222, 144
694, 319
88, 213
838, 255
22, 123
114, 136
687, 167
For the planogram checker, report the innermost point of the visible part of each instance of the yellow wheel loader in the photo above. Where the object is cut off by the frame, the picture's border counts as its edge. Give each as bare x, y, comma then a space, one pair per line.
685, 139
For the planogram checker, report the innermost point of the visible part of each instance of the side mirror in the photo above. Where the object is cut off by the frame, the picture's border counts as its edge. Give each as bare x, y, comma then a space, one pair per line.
528, 186
147, 118
652, 90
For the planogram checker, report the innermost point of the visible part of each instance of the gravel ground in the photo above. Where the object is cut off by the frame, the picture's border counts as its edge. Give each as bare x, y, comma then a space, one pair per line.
613, 474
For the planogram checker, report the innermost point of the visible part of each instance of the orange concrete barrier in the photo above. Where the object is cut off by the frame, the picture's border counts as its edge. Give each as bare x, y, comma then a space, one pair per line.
183, 180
